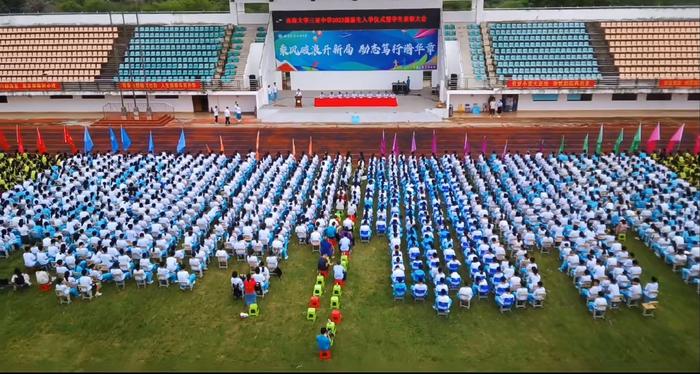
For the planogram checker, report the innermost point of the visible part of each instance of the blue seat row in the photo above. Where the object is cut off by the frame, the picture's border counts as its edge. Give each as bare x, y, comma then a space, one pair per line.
549, 71
173, 59
536, 51
543, 57
538, 25
547, 38
546, 63
178, 28
552, 76
504, 32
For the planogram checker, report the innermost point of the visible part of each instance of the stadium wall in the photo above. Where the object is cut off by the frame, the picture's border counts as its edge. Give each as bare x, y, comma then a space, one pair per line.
76, 104
603, 101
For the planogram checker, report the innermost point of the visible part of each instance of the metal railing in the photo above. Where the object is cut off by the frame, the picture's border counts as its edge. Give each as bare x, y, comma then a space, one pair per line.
607, 82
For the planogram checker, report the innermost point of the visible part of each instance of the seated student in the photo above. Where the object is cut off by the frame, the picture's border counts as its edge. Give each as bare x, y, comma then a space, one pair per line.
344, 245
522, 293
236, 285
538, 294
326, 248
398, 275
323, 340
61, 287
598, 304
651, 290
418, 274
164, 272
339, 272
398, 289
262, 286
365, 230
441, 286
119, 274
29, 259
465, 294
20, 280
590, 293
419, 290
690, 273
86, 281
455, 280
253, 261
183, 276
139, 273
323, 264
442, 302
634, 292
505, 299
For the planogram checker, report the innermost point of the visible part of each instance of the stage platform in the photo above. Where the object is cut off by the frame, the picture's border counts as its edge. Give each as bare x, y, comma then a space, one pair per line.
419, 106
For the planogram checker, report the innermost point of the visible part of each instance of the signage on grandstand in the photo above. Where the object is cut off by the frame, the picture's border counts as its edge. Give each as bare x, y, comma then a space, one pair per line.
161, 86
679, 83
584, 83
31, 86
356, 40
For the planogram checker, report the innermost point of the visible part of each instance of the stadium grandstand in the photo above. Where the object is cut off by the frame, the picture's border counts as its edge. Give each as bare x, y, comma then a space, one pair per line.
350, 185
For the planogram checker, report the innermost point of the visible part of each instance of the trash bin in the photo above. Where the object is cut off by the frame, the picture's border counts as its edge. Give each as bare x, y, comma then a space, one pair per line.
450, 110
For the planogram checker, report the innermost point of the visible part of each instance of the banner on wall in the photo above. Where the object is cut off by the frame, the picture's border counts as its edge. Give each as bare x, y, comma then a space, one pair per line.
31, 86
551, 83
356, 40
161, 86
679, 83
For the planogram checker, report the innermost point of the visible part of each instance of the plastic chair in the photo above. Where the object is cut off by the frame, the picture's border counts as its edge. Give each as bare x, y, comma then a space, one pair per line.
318, 290
314, 302
310, 314
324, 355
337, 290
336, 316
335, 302
320, 280
253, 310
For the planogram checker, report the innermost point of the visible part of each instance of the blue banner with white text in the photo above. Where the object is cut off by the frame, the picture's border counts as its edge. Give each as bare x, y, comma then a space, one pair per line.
356, 50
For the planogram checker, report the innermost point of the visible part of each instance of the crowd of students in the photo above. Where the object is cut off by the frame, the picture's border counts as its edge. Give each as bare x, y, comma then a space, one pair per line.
20, 167
685, 164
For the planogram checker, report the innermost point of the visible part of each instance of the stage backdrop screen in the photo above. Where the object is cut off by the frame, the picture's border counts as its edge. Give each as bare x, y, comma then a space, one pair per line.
346, 40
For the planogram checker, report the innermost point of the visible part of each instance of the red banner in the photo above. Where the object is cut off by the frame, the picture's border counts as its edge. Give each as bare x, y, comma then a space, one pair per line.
161, 86
679, 83
31, 86
584, 83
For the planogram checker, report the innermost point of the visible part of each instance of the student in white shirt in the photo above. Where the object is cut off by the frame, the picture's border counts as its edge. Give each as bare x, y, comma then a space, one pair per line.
598, 304
339, 272
651, 290
29, 259
184, 277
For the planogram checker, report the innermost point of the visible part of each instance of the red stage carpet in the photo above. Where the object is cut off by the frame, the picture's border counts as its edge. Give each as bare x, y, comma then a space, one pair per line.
355, 101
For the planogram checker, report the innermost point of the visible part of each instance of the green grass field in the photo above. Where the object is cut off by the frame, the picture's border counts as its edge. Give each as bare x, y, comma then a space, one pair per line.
167, 329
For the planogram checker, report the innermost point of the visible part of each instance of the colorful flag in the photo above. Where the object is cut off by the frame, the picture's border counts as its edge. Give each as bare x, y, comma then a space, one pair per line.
69, 140
599, 142
413, 143
20, 143
382, 145
483, 145
113, 141
675, 139
151, 146
126, 140
257, 146
87, 140
562, 145
467, 149
294, 148
395, 147
505, 149
618, 142
311, 140
654, 139
3, 142
40, 145
221, 145
65, 134
696, 149
585, 144
636, 140
433, 148
181, 143
208, 149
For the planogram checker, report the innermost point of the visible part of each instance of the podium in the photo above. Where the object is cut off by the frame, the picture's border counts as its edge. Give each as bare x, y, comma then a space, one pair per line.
297, 101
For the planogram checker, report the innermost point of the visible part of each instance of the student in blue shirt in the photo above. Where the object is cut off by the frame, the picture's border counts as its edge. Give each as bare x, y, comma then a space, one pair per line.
323, 340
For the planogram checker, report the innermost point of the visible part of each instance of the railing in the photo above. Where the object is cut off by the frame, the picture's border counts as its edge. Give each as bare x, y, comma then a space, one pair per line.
611, 82
140, 109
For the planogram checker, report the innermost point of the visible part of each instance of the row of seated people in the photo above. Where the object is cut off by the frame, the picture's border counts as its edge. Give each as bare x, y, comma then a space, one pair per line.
589, 236
354, 95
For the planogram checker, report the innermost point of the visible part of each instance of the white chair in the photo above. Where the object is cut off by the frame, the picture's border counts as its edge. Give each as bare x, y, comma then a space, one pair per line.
521, 302
197, 269
223, 262
535, 303
140, 280
615, 302
163, 280
599, 312
120, 281
302, 238
186, 285
465, 303
85, 292
63, 299
316, 246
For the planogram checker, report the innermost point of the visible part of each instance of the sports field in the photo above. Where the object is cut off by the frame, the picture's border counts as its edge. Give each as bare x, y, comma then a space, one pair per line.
157, 329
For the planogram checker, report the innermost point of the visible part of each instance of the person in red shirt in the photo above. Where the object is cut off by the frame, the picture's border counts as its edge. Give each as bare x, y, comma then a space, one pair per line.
249, 290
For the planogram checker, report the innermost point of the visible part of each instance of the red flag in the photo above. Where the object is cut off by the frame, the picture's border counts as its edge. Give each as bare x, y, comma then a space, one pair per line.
696, 149
40, 146
69, 140
208, 149
20, 143
257, 146
221, 145
294, 148
310, 146
3, 142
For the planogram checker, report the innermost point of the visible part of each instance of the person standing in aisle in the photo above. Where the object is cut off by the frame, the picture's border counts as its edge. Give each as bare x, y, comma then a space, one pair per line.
216, 114
274, 91
237, 110
227, 116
